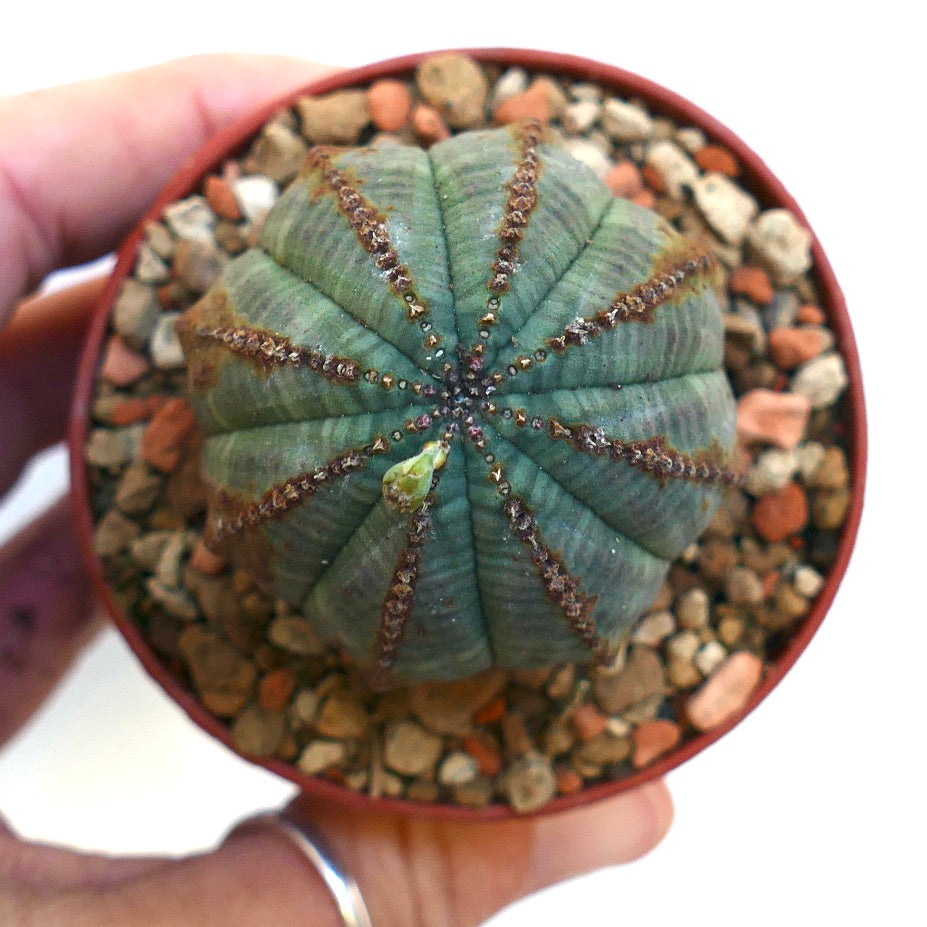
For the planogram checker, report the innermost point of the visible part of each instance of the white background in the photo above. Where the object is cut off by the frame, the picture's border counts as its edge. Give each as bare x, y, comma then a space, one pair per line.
812, 809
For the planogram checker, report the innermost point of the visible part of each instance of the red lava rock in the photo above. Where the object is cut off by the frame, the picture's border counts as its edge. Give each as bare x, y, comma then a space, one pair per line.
588, 721
492, 711
135, 409
779, 514
569, 780
533, 103
776, 418
791, 347
390, 103
625, 180
716, 158
486, 753
428, 124
752, 282
166, 436
221, 198
810, 315
727, 691
645, 198
205, 561
653, 178
652, 739
275, 689
121, 365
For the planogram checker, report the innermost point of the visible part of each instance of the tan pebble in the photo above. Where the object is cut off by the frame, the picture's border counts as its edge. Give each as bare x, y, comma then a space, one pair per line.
652, 739
167, 434
776, 418
752, 282
791, 347
625, 180
390, 103
121, 365
319, 755
449, 707
532, 104
716, 158
221, 199
829, 508
205, 561
777, 515
258, 732
428, 124
727, 692
810, 315
334, 119
409, 749
588, 721
342, 715
456, 86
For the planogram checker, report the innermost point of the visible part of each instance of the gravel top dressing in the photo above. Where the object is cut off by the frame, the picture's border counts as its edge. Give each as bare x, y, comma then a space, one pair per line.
730, 603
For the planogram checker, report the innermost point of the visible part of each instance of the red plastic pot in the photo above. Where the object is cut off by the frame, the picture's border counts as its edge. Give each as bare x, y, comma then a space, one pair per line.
756, 177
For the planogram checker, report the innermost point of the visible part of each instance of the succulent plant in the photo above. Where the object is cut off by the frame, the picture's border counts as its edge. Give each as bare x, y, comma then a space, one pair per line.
462, 407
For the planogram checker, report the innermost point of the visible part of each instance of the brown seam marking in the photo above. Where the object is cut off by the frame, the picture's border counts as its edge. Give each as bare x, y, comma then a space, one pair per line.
654, 456
560, 587
369, 227
521, 203
287, 494
270, 350
637, 305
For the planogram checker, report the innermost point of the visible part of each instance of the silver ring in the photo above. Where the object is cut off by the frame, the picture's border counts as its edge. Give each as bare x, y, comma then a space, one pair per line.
324, 860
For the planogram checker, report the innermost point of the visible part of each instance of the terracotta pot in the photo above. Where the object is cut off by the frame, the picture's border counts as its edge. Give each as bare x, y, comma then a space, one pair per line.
755, 176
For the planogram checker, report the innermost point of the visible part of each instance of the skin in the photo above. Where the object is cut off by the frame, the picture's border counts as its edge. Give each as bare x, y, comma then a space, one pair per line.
123, 137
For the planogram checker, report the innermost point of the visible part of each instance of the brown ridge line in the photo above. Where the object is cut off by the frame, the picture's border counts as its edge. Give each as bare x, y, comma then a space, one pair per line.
654, 456
270, 350
369, 227
399, 600
521, 203
560, 587
289, 493
637, 305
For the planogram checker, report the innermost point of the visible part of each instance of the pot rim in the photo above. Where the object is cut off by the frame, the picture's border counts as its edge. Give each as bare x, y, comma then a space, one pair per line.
762, 183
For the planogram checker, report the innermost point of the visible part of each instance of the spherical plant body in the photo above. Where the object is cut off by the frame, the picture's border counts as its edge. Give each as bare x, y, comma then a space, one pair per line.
462, 407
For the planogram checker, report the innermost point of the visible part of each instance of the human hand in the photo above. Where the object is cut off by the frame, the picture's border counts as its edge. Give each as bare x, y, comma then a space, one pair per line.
78, 166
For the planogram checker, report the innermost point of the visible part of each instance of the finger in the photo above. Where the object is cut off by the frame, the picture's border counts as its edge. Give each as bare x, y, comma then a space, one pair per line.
80, 163
414, 870
39, 351
46, 613
411, 871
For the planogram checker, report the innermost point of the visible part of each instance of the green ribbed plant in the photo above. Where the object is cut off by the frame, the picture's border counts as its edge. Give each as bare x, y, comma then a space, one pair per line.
461, 406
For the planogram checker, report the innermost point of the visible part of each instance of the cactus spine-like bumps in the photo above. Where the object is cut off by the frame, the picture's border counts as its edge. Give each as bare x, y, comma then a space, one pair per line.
462, 407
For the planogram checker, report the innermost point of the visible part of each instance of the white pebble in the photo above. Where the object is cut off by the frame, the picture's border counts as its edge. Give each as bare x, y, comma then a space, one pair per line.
807, 582
590, 154
726, 208
782, 245
510, 84
654, 628
591, 92
255, 195
691, 139
710, 657
304, 706
457, 768
149, 268
320, 755
626, 122
617, 726
821, 380
579, 117
676, 168
810, 456
693, 608
771, 471
166, 352
191, 218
